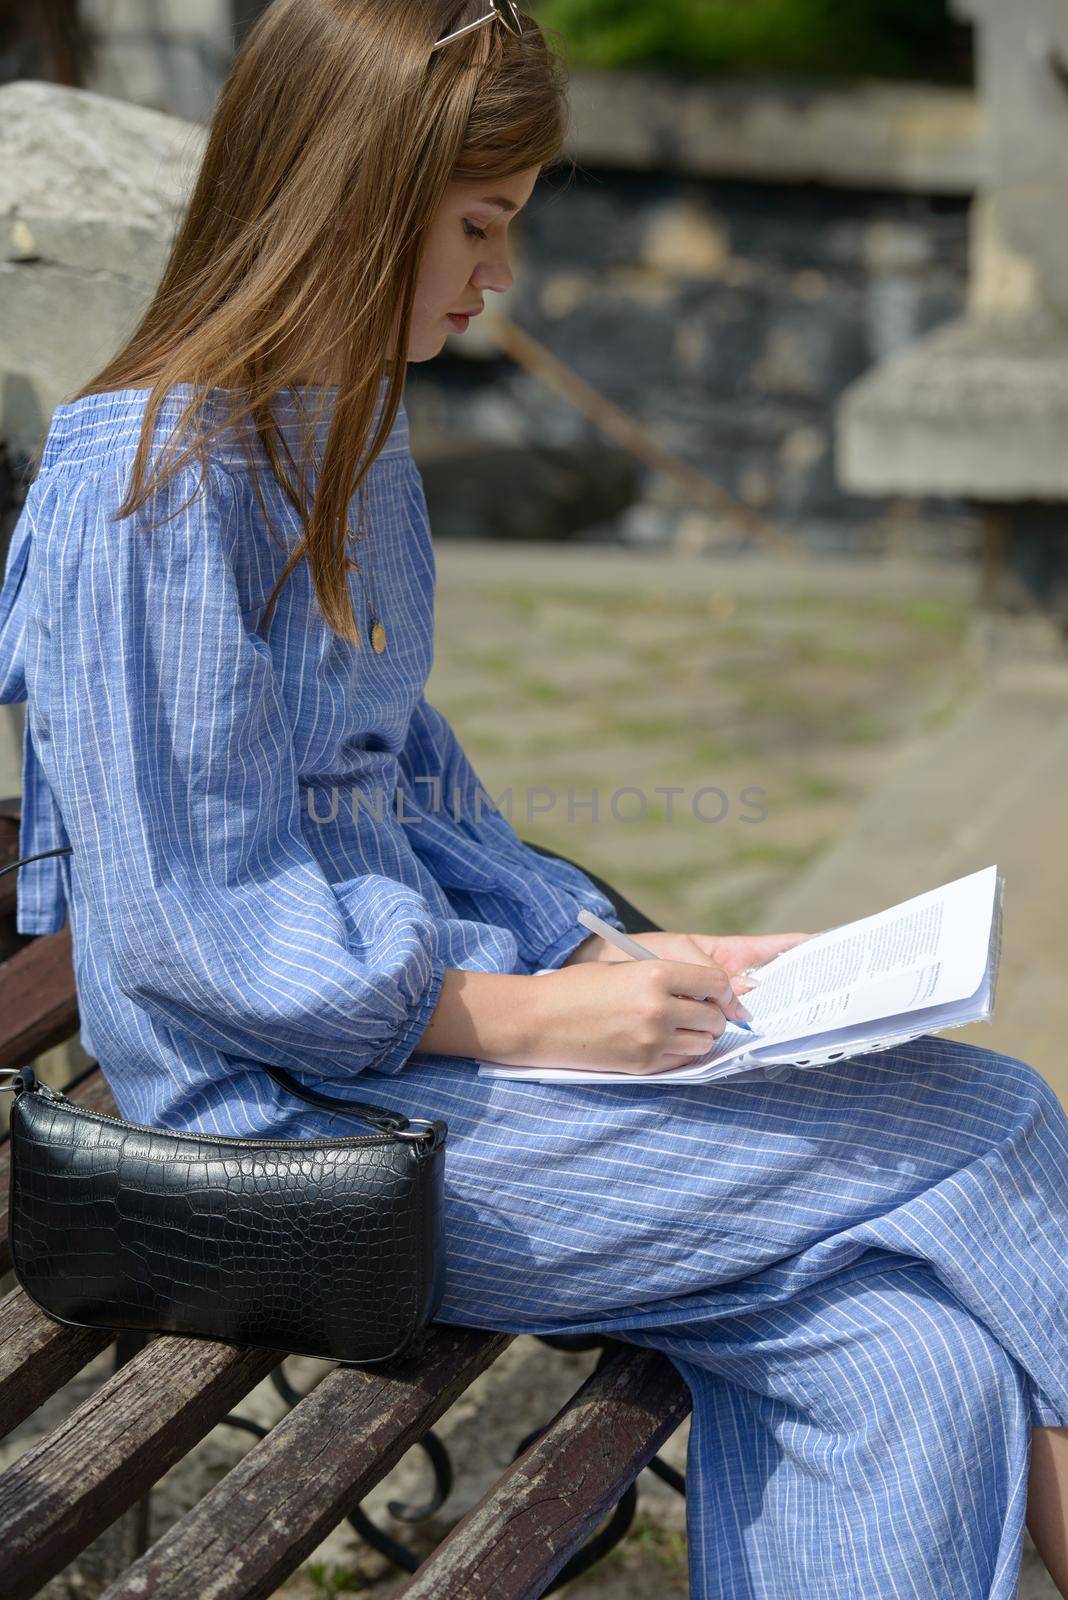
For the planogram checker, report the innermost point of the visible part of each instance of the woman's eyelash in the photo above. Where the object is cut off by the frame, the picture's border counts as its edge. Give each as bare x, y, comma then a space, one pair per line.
473, 232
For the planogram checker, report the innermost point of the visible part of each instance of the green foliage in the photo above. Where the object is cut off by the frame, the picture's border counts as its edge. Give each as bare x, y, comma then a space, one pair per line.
889, 38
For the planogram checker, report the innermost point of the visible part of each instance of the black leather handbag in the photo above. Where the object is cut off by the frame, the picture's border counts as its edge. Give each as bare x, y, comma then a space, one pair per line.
331, 1248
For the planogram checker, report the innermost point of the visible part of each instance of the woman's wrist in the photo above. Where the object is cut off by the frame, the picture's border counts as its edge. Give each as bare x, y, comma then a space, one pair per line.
591, 949
485, 1015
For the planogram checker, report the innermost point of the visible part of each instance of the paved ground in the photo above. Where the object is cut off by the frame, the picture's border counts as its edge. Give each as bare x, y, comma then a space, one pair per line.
766, 686
898, 740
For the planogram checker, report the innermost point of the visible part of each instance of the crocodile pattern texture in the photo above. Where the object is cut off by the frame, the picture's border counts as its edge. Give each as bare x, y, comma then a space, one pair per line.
331, 1249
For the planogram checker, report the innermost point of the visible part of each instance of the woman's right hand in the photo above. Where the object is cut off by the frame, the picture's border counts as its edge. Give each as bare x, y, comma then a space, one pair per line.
640, 1017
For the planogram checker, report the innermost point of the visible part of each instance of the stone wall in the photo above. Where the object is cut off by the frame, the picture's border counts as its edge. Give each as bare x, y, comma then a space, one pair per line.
728, 316
726, 313
171, 55
734, 254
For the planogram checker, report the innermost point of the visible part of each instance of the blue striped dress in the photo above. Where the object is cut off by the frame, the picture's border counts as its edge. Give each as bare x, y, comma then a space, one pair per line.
860, 1271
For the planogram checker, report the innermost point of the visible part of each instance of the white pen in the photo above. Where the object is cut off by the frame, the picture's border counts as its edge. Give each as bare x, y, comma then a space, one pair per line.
631, 947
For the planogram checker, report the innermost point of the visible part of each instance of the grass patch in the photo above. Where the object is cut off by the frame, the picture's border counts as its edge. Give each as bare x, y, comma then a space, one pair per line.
711, 752
770, 697
666, 1545
818, 651
598, 689
727, 914
493, 659
864, 727
336, 1580
609, 601
818, 786
948, 618
543, 691
665, 881
777, 855
610, 725
657, 1552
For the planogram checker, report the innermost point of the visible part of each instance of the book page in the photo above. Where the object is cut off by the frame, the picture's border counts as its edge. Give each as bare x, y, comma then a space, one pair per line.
920, 958
927, 952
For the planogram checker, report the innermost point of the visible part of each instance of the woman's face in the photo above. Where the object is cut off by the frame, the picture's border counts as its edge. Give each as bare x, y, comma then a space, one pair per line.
466, 254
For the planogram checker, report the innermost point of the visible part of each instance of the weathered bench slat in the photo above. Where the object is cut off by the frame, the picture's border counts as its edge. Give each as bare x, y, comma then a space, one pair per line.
38, 999
9, 849
256, 1526
519, 1535
38, 1356
76, 1480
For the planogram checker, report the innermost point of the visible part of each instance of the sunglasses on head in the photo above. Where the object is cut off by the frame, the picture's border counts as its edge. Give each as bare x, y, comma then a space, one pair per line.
505, 10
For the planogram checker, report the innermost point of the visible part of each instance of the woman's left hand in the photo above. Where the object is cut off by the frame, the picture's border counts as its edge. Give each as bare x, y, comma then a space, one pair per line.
733, 952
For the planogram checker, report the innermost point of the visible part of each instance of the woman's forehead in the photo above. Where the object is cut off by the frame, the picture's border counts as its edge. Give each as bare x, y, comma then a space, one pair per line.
504, 194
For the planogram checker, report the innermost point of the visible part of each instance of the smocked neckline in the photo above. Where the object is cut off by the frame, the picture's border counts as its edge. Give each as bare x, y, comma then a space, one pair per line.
95, 426
185, 387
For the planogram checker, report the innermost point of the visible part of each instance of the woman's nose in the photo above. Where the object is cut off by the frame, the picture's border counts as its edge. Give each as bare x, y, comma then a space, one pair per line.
493, 275
498, 282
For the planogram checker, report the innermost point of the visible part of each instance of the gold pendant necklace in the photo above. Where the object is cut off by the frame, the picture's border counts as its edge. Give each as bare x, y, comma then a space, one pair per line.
378, 632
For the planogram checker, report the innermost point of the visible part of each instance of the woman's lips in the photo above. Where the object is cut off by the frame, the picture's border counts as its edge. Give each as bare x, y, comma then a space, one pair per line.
458, 322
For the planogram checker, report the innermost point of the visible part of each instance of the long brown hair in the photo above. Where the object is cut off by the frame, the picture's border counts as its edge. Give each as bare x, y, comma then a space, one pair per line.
329, 151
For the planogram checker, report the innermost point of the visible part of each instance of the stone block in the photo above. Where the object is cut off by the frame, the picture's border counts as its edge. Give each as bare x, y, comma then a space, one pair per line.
863, 134
687, 240
1003, 281
170, 54
976, 409
90, 190
1022, 68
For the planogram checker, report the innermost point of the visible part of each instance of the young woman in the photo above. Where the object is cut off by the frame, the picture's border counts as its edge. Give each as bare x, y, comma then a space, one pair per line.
219, 605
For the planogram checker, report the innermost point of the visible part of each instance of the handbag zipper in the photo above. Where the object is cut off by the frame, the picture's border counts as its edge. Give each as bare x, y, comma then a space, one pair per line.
49, 1093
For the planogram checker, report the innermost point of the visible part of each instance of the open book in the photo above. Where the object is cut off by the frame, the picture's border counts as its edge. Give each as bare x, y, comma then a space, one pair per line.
925, 965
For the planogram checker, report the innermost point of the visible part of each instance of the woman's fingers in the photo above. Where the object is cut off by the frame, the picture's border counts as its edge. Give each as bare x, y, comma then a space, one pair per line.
690, 983
701, 1018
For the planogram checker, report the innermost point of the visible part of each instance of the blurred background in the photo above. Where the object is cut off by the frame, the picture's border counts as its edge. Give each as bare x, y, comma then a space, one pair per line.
748, 497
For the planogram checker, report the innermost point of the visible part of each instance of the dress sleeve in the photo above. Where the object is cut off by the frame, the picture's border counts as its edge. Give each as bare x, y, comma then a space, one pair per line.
476, 854
171, 755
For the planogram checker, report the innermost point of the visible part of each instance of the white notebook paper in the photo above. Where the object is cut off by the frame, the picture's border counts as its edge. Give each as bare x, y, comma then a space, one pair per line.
923, 966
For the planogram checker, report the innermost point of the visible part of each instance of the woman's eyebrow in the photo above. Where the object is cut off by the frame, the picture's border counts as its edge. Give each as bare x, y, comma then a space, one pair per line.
500, 200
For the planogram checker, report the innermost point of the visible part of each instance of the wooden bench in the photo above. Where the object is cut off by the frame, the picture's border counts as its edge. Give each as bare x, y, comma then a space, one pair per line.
535, 1528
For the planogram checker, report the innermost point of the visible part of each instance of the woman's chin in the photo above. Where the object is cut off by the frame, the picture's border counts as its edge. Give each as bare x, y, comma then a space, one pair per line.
425, 346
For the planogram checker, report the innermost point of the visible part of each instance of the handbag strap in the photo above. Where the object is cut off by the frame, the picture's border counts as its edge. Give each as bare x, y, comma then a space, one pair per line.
379, 1117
